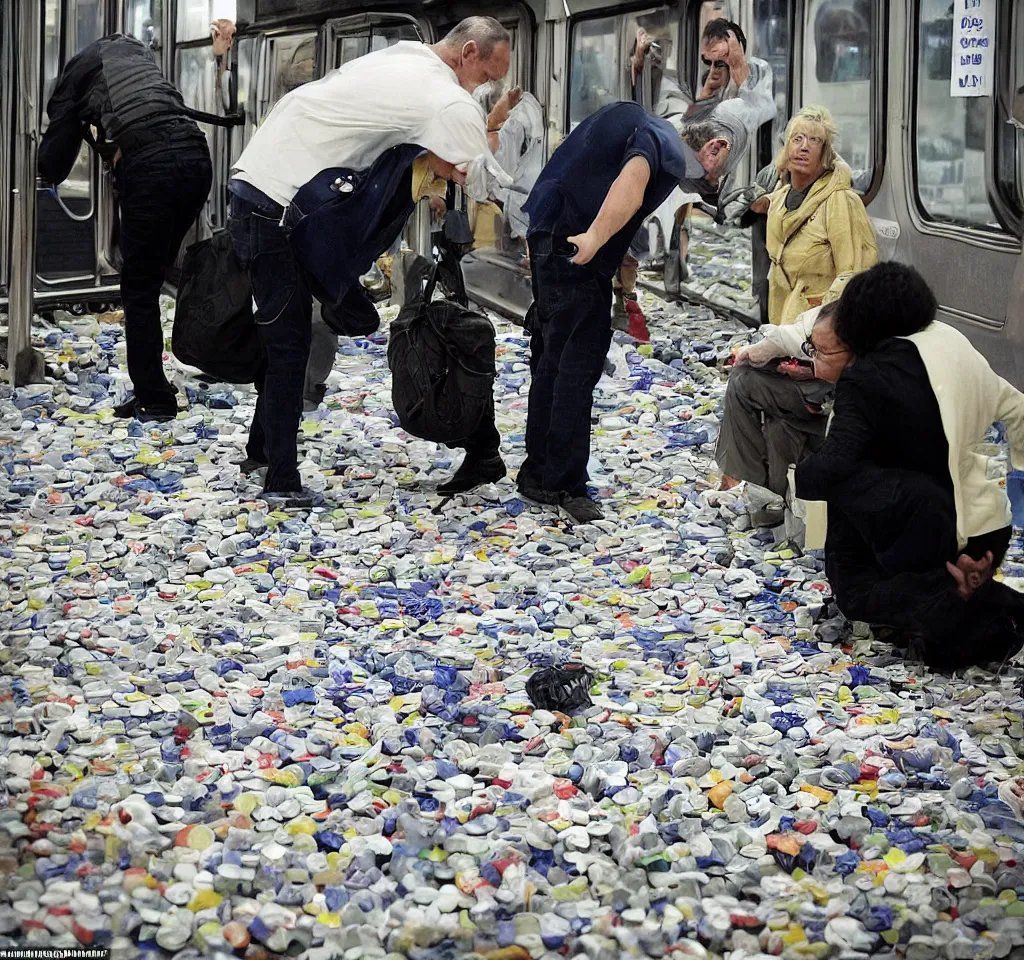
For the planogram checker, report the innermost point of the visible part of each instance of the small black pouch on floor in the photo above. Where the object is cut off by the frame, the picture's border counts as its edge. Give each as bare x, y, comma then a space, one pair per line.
441, 357
213, 323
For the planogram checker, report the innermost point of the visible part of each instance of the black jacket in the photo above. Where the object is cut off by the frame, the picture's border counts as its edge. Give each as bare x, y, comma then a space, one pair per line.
115, 86
886, 414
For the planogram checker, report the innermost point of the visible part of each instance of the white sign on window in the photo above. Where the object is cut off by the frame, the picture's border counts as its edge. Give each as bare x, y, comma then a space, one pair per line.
974, 48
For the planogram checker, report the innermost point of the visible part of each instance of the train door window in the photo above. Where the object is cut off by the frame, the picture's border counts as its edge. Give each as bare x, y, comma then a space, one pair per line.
142, 20
841, 73
292, 63
595, 77
950, 148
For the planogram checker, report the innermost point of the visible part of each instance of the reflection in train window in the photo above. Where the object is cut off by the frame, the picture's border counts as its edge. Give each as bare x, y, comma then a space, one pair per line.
842, 75
662, 26
950, 132
142, 19
293, 61
594, 79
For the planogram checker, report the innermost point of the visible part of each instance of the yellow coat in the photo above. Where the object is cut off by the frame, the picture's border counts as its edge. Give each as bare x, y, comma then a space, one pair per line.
828, 234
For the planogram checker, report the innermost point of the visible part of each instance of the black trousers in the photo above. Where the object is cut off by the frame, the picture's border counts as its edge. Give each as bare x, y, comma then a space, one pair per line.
890, 534
284, 317
161, 189
569, 341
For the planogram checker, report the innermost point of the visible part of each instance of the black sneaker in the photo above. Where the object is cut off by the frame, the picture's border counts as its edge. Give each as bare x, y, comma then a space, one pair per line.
474, 472
530, 490
581, 509
249, 465
302, 499
131, 409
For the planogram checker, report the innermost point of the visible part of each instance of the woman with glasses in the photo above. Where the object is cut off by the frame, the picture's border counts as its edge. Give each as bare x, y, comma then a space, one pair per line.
817, 225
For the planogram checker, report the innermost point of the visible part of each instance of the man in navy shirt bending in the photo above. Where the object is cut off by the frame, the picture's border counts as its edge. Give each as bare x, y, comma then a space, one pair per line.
611, 172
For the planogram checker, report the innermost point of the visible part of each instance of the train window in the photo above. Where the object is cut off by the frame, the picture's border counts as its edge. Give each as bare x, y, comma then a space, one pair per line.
949, 154
351, 46
85, 24
595, 76
842, 75
195, 72
293, 62
771, 42
142, 20
194, 18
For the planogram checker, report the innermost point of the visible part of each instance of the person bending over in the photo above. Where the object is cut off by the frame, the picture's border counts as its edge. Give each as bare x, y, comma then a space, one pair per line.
917, 523
613, 170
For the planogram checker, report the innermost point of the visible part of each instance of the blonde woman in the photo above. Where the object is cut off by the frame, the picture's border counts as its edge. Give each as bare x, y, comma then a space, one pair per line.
817, 225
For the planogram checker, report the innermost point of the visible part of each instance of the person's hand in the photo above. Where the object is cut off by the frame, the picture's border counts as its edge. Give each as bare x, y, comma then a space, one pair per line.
586, 248
814, 301
508, 102
740, 357
796, 370
739, 70
761, 205
458, 174
438, 207
970, 574
643, 44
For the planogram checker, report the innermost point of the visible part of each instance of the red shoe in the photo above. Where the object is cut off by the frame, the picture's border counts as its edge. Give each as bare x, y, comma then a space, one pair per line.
637, 322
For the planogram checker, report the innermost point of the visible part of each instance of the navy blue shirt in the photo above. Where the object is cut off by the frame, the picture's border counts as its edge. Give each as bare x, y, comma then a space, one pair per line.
572, 186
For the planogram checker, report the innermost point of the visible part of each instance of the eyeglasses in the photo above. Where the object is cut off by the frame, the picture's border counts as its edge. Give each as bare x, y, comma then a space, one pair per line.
812, 352
714, 64
798, 138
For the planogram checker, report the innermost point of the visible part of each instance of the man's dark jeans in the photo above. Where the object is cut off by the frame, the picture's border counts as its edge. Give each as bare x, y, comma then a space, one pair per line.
569, 342
283, 317
161, 189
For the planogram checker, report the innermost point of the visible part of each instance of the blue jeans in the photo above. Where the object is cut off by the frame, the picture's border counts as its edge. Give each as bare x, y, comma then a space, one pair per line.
284, 314
571, 335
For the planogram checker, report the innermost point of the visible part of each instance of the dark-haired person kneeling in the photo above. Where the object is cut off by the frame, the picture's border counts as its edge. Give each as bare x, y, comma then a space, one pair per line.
916, 524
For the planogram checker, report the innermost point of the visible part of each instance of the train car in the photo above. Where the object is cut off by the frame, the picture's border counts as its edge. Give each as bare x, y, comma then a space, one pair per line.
942, 176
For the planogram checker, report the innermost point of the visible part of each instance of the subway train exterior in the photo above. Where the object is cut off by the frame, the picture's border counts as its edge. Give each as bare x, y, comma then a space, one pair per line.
942, 176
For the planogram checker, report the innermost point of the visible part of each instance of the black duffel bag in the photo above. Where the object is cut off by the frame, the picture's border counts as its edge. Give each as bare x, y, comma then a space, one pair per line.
214, 328
441, 357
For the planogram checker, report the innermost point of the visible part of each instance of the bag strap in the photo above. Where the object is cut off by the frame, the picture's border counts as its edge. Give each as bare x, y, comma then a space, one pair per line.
428, 290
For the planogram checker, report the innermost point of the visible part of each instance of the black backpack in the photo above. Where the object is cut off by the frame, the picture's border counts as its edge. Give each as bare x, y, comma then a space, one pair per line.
214, 328
441, 357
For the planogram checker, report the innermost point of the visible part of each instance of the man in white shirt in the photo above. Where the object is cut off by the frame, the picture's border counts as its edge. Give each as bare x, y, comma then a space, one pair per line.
409, 93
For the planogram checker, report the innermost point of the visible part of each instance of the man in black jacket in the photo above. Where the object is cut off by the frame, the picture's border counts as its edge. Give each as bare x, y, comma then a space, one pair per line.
162, 177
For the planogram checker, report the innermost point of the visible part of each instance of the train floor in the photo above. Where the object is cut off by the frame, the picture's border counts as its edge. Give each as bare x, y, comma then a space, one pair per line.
227, 730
